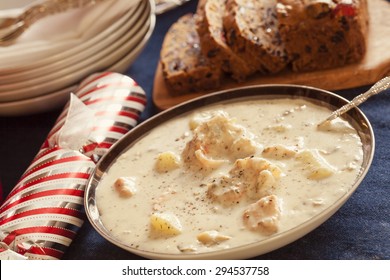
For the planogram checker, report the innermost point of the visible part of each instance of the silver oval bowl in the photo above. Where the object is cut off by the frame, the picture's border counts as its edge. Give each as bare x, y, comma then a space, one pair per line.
325, 98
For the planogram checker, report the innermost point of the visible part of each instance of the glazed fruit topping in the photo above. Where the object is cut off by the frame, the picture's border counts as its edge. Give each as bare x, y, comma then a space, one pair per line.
344, 9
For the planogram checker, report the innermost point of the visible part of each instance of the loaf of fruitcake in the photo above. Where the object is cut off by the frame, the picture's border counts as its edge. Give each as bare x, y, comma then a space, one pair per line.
321, 34
184, 67
252, 33
209, 24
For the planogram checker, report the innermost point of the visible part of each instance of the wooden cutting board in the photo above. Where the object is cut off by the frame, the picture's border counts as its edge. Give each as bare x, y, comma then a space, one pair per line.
374, 66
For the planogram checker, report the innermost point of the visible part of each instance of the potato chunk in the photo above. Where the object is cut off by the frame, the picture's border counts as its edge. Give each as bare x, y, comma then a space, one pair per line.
317, 167
165, 223
167, 161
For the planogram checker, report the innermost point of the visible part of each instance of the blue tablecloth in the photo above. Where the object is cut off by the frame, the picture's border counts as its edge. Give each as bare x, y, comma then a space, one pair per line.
359, 230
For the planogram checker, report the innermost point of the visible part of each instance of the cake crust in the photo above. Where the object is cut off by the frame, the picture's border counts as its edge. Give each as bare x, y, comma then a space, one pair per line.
184, 67
211, 31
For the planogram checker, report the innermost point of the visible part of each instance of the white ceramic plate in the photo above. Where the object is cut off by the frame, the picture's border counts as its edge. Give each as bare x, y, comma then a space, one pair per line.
56, 98
123, 63
88, 46
37, 104
59, 98
13, 4
61, 32
356, 118
70, 75
41, 70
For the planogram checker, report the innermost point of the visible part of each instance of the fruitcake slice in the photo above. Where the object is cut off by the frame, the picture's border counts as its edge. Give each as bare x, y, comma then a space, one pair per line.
209, 24
321, 34
184, 67
252, 32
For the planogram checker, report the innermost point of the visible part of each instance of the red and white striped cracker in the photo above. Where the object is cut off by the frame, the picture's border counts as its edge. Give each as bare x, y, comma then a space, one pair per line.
117, 101
44, 211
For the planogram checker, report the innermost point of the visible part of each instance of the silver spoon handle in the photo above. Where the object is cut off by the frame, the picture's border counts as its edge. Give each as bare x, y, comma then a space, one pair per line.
378, 87
40, 10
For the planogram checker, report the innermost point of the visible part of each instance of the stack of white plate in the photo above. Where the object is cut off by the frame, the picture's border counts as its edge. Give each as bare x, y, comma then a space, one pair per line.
47, 62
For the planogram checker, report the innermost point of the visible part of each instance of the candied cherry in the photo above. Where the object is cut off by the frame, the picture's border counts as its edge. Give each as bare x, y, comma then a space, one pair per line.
344, 9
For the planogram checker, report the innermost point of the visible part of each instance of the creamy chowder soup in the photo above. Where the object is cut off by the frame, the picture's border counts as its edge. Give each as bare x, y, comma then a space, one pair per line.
227, 175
